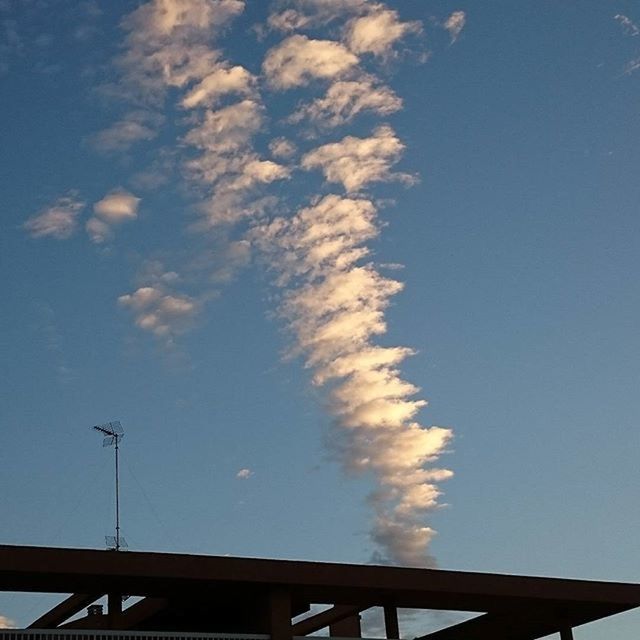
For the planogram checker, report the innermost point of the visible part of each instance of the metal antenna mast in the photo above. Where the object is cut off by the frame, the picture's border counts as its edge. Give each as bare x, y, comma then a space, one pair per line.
113, 433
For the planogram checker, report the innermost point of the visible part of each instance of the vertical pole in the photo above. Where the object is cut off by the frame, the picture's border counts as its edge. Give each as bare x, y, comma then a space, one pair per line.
117, 500
566, 633
279, 603
391, 622
114, 609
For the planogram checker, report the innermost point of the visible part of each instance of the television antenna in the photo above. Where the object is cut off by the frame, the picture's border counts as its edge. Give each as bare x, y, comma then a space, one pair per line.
113, 433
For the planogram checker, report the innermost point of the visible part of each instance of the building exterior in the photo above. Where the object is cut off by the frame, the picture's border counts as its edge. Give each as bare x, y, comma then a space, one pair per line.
191, 597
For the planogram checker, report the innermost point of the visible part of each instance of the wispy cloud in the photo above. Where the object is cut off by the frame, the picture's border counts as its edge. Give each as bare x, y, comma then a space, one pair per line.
345, 99
11, 43
58, 220
48, 327
134, 127
631, 29
454, 24
628, 26
244, 474
295, 15
282, 148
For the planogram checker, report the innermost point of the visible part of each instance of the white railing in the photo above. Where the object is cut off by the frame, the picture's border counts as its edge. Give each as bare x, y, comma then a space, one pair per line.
104, 634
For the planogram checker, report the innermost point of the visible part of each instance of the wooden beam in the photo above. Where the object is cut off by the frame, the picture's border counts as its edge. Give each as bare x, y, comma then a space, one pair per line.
63, 611
566, 633
391, 622
130, 618
279, 614
324, 619
347, 627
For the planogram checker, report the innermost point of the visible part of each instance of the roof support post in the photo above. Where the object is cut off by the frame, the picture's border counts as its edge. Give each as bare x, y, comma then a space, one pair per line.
114, 609
280, 614
391, 622
566, 633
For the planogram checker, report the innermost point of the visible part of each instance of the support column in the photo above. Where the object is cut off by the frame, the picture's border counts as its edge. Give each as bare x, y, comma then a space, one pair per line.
566, 633
391, 622
279, 614
114, 609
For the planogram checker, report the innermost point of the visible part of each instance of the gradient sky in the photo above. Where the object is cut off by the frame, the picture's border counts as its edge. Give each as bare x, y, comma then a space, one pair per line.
155, 173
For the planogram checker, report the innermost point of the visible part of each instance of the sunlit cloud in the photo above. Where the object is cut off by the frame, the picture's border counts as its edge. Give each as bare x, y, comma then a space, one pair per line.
356, 162
218, 83
345, 99
377, 32
162, 313
454, 24
58, 220
298, 60
116, 207
333, 298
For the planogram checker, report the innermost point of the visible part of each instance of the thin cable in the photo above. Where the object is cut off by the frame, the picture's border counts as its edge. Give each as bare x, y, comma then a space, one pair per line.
169, 536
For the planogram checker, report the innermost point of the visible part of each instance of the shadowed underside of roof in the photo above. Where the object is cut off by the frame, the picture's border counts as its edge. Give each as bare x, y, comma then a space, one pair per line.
247, 595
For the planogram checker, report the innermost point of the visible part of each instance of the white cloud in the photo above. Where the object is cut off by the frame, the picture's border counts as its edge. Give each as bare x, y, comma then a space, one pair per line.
168, 44
454, 24
227, 164
244, 474
162, 313
628, 26
59, 220
298, 60
7, 623
355, 162
345, 99
219, 82
117, 206
163, 18
378, 31
228, 129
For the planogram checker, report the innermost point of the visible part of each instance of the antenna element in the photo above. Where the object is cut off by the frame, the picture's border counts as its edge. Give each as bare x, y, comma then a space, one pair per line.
113, 433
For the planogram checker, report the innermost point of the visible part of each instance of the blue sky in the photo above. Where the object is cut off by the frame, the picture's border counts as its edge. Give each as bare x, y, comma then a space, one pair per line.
252, 231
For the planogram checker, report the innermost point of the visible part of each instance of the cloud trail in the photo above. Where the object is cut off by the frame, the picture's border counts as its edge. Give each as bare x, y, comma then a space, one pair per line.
334, 303
333, 295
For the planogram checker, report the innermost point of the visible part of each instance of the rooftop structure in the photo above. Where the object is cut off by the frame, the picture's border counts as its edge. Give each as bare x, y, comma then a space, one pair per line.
230, 595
